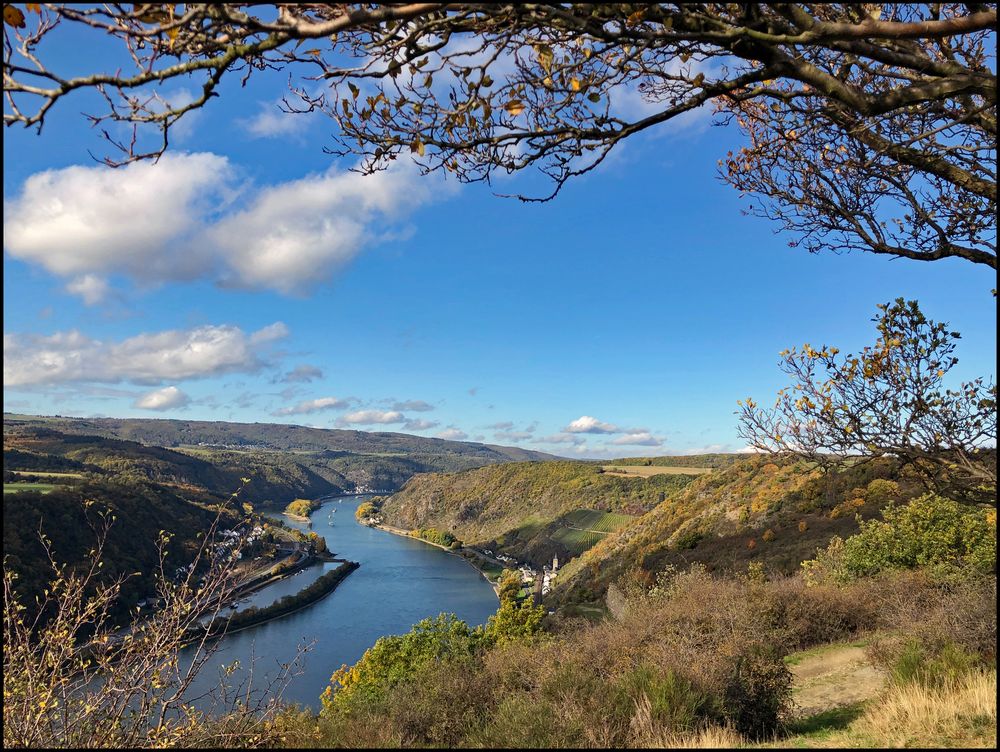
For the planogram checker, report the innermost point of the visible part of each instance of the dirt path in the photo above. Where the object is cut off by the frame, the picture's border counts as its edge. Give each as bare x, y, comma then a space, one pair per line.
834, 677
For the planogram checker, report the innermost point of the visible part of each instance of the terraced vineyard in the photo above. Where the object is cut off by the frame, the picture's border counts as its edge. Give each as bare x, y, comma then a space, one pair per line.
602, 522
584, 528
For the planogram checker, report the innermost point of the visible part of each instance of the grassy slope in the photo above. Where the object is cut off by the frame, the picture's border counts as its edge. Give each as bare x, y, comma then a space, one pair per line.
722, 520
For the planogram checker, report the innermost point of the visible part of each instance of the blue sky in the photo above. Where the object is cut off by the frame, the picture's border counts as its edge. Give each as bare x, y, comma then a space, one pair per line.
251, 277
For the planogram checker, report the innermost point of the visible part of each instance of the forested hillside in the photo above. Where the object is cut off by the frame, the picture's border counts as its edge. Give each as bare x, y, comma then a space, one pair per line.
521, 509
72, 517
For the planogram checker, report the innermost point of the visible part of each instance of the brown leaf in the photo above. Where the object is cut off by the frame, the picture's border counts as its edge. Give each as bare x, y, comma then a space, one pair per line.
514, 107
13, 17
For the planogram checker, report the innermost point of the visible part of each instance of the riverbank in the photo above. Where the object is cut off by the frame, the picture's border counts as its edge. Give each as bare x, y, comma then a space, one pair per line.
309, 595
454, 552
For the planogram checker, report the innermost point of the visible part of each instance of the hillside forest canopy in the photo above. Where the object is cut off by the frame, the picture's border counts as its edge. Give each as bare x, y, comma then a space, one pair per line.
866, 127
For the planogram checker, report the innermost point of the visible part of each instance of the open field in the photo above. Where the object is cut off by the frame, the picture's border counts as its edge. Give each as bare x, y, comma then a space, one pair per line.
647, 471
48, 474
19, 487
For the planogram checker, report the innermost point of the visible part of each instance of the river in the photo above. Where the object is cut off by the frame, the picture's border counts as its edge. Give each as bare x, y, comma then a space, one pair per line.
400, 581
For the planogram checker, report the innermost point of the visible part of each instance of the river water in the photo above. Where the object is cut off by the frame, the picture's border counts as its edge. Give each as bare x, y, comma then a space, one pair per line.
400, 581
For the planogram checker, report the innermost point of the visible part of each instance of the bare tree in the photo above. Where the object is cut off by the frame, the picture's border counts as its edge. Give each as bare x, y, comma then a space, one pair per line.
867, 126
888, 400
72, 678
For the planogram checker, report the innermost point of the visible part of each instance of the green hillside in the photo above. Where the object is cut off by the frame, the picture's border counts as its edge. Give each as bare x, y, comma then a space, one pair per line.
525, 509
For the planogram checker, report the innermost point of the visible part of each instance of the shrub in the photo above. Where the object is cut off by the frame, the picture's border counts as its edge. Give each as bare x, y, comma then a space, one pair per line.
947, 538
929, 531
881, 491
758, 691
670, 701
689, 540
915, 663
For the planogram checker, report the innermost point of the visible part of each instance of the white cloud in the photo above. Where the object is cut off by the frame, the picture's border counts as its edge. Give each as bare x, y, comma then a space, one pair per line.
587, 424
271, 122
453, 434
420, 425
80, 221
90, 287
369, 417
294, 235
302, 373
152, 358
512, 436
313, 406
504, 425
177, 220
641, 438
418, 406
560, 438
167, 398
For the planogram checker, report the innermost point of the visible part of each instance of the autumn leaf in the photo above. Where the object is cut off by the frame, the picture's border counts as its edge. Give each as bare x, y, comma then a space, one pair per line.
354, 89
574, 84
13, 17
34, 7
514, 107
594, 97
635, 19
544, 56
417, 147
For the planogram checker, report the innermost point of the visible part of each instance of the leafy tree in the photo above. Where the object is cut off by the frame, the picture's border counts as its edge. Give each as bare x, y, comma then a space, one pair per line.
513, 622
299, 508
888, 400
365, 509
867, 126
508, 586
395, 658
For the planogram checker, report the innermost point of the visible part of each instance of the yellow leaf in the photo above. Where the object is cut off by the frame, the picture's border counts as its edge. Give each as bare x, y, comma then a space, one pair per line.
34, 7
13, 17
514, 107
418, 147
574, 84
544, 56
355, 91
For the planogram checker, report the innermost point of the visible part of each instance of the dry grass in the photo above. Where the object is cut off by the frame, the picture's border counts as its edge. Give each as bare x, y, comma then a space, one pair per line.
647, 471
963, 714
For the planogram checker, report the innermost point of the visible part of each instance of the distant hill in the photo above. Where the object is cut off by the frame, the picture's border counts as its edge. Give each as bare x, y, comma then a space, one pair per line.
285, 462
273, 436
